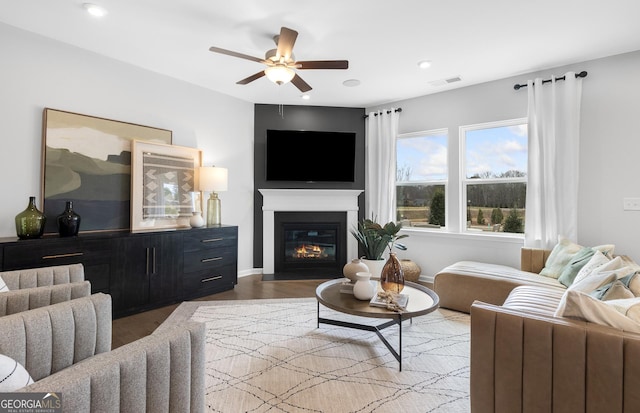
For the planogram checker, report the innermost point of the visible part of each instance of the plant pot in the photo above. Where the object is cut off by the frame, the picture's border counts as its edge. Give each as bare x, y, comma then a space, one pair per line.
375, 267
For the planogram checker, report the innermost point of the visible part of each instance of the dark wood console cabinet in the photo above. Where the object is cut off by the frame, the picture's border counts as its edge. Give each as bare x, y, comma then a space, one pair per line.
141, 271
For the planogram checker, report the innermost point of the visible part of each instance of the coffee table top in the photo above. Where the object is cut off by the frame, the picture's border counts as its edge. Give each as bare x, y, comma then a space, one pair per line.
421, 301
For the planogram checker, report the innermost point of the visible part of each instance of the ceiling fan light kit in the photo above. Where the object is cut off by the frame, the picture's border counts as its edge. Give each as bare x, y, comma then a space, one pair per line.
281, 63
279, 74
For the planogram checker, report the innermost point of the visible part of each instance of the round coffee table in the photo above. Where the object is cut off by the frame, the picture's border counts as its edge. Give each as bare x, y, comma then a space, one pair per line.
421, 301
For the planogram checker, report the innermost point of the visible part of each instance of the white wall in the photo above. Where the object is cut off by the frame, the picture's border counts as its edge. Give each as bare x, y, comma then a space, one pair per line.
609, 163
37, 72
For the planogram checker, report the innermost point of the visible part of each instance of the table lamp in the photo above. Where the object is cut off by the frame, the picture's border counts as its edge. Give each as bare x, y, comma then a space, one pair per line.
213, 179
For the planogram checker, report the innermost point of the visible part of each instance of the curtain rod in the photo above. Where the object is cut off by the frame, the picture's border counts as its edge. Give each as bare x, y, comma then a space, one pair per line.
581, 74
380, 112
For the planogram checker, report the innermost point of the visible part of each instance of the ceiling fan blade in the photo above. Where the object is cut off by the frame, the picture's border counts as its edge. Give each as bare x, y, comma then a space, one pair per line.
286, 40
300, 84
236, 54
323, 64
250, 78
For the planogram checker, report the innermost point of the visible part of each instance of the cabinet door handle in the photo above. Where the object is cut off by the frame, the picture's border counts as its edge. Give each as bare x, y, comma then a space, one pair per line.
71, 254
205, 280
212, 240
211, 259
154, 261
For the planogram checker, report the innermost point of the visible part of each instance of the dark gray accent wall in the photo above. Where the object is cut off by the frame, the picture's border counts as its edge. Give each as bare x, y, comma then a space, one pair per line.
311, 118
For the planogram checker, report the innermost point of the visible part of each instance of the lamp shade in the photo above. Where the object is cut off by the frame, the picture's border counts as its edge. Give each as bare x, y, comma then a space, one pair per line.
213, 179
279, 74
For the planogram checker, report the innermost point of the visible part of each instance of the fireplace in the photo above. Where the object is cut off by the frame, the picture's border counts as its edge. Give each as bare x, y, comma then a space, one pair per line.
309, 243
318, 202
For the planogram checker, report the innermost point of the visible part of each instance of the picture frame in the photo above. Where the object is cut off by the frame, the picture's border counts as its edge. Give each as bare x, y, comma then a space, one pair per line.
164, 185
87, 160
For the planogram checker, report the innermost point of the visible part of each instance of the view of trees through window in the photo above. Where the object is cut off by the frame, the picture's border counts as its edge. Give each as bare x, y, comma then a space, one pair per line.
495, 183
421, 178
493, 163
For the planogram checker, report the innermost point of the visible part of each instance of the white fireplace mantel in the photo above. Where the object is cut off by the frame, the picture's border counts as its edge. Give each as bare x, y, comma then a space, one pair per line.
294, 200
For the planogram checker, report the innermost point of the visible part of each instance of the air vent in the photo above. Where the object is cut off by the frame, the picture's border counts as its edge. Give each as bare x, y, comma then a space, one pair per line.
443, 82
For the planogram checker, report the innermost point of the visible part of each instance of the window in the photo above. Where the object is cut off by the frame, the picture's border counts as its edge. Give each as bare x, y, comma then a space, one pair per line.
494, 175
421, 178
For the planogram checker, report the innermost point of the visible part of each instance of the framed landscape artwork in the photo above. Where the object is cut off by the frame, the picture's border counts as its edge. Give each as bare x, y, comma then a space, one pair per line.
87, 160
164, 185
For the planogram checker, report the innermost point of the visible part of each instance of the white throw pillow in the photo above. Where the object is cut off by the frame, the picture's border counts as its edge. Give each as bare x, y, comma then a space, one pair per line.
560, 256
3, 286
589, 284
610, 313
12, 375
598, 260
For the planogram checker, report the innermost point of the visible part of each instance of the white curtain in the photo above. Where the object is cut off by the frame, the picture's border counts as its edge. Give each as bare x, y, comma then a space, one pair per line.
380, 179
554, 146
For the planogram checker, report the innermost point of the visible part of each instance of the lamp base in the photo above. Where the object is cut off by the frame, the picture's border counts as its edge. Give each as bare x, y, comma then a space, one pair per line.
214, 213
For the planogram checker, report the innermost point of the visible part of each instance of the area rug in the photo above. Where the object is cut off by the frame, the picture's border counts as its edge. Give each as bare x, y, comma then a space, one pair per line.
270, 356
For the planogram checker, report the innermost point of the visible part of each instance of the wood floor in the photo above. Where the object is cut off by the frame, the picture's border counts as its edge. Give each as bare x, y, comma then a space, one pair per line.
128, 329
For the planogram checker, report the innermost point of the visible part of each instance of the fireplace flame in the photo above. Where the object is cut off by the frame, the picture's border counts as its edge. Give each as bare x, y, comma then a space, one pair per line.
309, 251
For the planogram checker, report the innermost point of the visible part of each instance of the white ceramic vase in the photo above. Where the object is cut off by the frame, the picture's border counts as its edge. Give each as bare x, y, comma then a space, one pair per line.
196, 220
352, 268
375, 267
364, 288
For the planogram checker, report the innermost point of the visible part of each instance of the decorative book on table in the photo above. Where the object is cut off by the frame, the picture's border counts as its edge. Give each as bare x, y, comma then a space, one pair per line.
383, 300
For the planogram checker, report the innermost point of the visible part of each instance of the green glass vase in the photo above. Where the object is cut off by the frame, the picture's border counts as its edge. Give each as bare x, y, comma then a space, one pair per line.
30, 222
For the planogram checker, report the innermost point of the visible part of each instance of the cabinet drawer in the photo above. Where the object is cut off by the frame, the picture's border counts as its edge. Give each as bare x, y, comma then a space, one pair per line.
196, 240
215, 279
209, 258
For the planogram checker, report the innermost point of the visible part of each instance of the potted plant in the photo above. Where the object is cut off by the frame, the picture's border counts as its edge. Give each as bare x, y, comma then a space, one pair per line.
374, 238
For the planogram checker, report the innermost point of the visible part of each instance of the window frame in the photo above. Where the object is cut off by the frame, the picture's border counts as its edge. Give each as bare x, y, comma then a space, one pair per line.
465, 182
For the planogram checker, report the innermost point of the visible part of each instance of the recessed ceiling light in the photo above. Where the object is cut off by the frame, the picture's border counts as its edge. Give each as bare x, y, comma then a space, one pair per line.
306, 96
94, 9
351, 82
424, 64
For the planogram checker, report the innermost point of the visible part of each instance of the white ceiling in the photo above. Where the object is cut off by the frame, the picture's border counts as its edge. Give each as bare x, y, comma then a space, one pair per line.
478, 40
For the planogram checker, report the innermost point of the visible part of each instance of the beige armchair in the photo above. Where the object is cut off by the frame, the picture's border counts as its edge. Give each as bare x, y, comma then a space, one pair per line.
37, 287
65, 347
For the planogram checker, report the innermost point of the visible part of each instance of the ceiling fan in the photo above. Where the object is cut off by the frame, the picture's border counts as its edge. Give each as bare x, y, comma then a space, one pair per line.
281, 62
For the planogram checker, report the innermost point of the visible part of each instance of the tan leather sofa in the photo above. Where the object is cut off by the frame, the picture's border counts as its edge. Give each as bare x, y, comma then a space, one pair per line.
460, 284
66, 348
525, 360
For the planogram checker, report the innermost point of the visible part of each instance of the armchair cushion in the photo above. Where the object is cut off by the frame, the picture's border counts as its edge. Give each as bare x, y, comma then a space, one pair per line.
52, 338
45, 276
13, 302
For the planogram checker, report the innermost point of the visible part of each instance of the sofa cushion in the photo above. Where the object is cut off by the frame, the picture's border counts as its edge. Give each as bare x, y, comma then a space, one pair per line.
560, 256
613, 313
579, 260
534, 299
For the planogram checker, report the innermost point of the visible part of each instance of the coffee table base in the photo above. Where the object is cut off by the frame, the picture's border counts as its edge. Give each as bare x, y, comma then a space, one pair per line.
376, 329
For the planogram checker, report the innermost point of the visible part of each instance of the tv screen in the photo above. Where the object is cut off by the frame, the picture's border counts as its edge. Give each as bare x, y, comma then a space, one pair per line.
310, 156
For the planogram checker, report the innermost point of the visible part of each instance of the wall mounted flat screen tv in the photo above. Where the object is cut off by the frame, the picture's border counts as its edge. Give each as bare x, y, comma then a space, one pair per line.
310, 156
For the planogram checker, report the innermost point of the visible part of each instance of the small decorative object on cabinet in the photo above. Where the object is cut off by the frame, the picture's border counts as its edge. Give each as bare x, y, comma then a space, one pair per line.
392, 276
363, 289
196, 220
30, 222
351, 268
68, 222
411, 270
